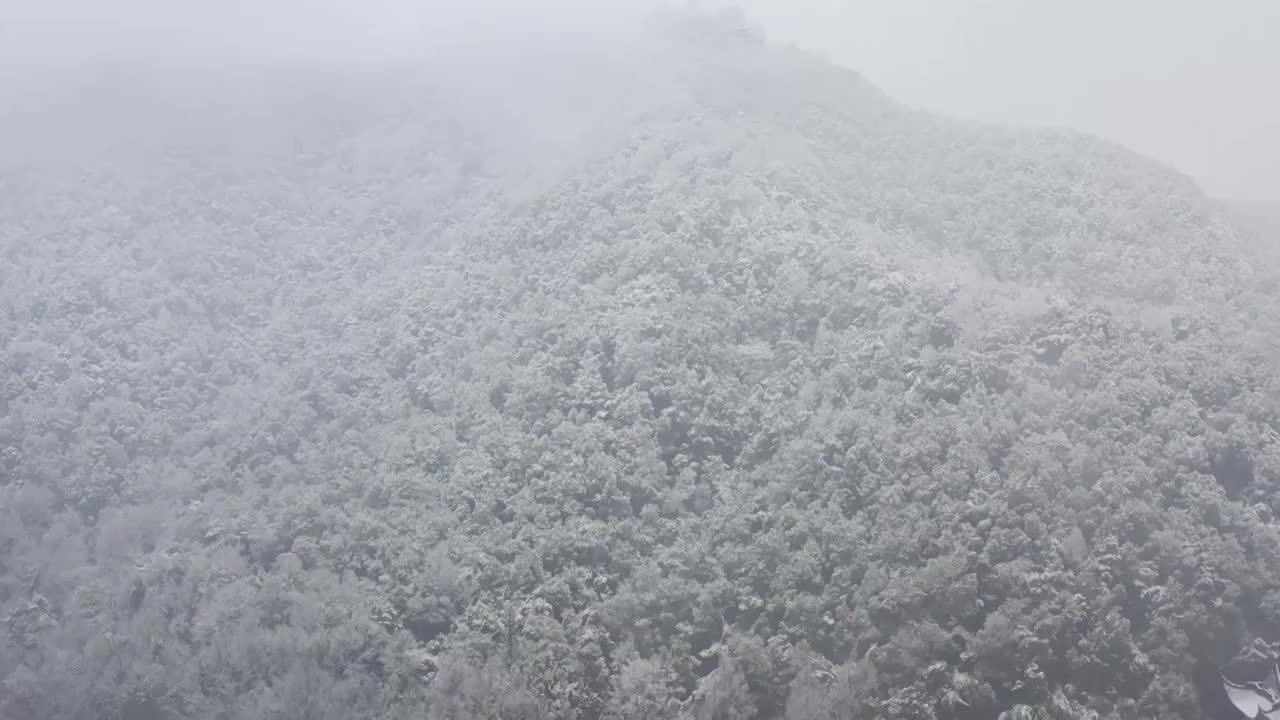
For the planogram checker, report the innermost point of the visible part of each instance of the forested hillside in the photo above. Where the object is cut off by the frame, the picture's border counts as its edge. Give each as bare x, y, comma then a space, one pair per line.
1259, 220
674, 376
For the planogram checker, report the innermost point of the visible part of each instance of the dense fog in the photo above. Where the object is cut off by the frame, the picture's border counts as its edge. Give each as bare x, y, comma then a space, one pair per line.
557, 361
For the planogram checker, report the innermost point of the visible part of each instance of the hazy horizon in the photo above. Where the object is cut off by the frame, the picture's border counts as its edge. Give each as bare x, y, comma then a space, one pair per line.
1181, 82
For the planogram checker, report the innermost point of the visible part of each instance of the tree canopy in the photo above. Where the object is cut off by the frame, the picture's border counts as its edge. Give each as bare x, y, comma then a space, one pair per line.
700, 381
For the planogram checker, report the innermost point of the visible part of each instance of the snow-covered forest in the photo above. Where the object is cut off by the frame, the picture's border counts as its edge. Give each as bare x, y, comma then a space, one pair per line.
676, 375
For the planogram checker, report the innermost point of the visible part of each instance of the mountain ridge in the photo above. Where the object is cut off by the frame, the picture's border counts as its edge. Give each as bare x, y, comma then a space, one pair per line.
775, 398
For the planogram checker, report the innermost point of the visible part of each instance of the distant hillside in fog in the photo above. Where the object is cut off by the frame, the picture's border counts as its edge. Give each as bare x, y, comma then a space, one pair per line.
697, 378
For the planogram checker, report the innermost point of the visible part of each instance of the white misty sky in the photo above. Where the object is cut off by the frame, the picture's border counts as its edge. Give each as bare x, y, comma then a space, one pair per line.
1195, 83
1191, 82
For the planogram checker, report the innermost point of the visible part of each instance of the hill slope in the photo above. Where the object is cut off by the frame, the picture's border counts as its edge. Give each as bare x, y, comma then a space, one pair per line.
724, 387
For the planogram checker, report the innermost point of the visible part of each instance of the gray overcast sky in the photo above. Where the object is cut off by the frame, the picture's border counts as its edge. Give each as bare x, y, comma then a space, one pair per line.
1191, 82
